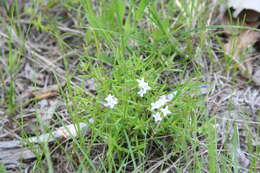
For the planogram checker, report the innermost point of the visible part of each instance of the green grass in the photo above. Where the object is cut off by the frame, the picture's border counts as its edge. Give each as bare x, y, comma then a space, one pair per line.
2, 168
128, 132
120, 42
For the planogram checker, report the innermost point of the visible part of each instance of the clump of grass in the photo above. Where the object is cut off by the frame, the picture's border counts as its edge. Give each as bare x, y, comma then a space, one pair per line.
123, 42
129, 137
128, 131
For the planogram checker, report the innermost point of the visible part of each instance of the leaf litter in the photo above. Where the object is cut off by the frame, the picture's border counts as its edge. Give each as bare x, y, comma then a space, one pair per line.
246, 16
37, 81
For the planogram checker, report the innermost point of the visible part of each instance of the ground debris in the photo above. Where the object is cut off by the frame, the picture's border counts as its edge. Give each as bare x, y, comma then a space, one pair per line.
32, 75
256, 77
14, 153
242, 35
37, 94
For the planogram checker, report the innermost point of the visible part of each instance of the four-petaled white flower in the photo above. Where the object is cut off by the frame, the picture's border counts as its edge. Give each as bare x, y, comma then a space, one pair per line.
165, 111
111, 101
143, 86
157, 117
159, 103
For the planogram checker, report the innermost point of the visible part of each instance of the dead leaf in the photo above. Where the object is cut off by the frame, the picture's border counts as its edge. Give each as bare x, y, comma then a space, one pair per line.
239, 39
250, 16
237, 45
240, 5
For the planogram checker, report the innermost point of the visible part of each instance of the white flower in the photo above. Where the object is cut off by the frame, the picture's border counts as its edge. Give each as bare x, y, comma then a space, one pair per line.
165, 111
143, 86
91, 120
163, 100
157, 117
141, 92
159, 103
111, 101
171, 95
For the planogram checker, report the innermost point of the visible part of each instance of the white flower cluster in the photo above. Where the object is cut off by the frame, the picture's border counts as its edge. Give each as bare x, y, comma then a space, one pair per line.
111, 101
143, 86
159, 105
